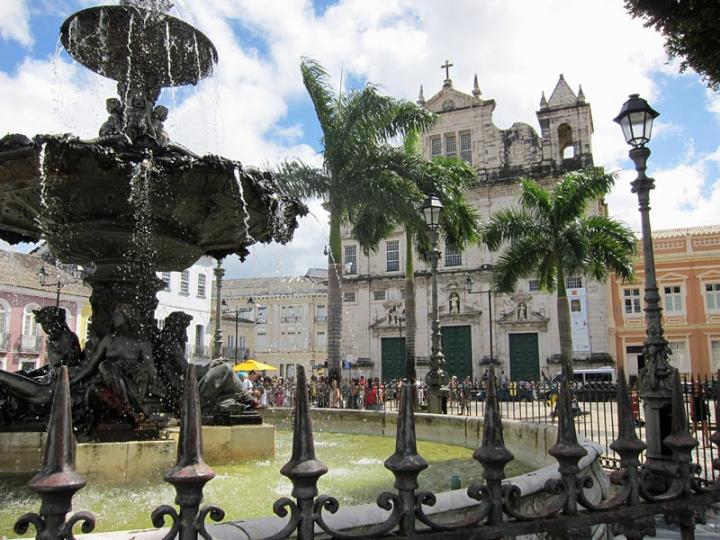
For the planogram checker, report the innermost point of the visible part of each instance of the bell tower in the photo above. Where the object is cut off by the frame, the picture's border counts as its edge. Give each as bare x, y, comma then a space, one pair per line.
566, 127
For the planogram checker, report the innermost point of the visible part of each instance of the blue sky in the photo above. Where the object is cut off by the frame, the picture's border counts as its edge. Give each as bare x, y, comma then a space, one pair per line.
255, 109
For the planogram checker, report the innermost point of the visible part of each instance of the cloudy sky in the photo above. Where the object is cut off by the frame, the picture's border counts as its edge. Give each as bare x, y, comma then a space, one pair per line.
255, 110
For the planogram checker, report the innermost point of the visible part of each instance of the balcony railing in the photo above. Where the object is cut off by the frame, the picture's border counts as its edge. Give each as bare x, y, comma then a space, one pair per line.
197, 351
30, 344
242, 353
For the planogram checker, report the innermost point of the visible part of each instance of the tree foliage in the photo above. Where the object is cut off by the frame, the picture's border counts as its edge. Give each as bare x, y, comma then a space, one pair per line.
550, 236
361, 175
691, 32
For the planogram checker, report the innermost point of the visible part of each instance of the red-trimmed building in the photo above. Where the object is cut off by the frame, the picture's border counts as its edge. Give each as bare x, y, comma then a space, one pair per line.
22, 341
687, 263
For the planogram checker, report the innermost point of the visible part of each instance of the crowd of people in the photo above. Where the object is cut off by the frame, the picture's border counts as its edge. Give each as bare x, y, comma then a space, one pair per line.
374, 394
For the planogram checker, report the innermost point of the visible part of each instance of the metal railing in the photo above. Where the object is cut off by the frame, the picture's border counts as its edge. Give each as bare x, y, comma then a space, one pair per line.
569, 513
30, 344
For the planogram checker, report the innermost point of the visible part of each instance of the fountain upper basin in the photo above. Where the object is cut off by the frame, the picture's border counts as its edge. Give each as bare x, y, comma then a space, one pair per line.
79, 195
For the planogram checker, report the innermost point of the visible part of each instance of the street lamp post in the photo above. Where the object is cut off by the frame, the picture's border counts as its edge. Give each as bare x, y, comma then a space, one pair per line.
219, 273
436, 379
42, 277
469, 288
655, 383
236, 316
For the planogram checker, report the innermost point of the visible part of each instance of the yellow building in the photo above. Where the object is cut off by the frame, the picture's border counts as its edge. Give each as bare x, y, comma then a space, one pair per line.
687, 263
281, 321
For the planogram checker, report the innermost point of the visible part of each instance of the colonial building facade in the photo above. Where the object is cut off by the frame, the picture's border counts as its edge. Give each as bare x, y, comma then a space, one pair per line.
22, 340
687, 263
523, 325
281, 321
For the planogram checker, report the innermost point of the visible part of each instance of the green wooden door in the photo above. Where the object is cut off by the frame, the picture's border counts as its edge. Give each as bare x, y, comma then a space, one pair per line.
524, 359
393, 358
457, 348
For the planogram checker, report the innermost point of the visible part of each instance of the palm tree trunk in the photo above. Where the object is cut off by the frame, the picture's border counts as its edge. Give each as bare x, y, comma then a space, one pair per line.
410, 322
335, 269
563, 315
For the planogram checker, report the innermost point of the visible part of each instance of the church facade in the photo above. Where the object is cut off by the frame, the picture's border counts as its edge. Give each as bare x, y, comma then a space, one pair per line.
522, 327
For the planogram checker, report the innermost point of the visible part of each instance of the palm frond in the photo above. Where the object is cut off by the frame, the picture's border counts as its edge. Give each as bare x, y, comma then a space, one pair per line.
572, 195
535, 198
509, 225
520, 260
316, 81
611, 244
301, 180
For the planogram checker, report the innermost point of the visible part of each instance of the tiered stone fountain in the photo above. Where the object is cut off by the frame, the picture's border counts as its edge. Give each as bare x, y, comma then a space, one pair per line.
129, 203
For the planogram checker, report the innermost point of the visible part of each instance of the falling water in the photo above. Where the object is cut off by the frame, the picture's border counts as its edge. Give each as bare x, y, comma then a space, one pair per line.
168, 46
244, 206
197, 57
43, 180
129, 63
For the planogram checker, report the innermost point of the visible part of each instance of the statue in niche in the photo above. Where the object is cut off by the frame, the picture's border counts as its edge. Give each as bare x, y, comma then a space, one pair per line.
123, 367
114, 124
454, 303
221, 393
521, 311
159, 115
392, 315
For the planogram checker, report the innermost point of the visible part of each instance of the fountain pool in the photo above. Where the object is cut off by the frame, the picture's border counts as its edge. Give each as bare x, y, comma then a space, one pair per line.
248, 490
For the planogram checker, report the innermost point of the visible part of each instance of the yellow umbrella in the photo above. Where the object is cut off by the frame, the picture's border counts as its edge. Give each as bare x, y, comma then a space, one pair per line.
250, 364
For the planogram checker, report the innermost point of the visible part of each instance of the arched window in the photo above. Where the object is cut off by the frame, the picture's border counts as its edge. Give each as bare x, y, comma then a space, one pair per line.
30, 328
4, 317
565, 141
4, 324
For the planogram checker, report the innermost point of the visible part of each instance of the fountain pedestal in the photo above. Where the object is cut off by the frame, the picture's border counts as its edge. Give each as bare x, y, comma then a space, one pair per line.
116, 463
223, 445
137, 462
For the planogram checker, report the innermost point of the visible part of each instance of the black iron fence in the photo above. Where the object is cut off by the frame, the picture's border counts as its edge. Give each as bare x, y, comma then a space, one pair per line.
568, 513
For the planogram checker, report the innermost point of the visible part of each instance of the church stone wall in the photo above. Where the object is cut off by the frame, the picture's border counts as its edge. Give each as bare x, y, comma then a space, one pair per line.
466, 129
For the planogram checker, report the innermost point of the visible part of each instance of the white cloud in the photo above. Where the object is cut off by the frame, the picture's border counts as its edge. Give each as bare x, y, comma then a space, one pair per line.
14, 22
684, 195
245, 111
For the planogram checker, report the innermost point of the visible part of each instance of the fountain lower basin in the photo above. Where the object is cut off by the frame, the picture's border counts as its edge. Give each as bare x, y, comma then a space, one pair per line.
247, 490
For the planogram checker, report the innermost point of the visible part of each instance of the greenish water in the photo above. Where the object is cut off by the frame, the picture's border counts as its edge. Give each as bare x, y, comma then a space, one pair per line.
248, 490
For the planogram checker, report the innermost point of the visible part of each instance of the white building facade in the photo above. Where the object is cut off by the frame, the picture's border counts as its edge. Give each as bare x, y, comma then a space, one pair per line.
190, 291
524, 324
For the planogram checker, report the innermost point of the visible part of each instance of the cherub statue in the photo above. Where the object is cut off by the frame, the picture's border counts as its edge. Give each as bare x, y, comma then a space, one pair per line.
159, 115
114, 124
139, 120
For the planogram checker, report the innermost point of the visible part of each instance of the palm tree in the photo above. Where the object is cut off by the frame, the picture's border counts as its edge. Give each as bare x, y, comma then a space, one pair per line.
550, 237
448, 179
358, 166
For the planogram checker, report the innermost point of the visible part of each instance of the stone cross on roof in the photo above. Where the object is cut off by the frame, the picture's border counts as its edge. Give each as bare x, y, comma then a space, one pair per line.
446, 66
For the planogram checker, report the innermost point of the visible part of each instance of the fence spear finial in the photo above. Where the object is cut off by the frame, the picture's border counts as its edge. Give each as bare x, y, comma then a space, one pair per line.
57, 481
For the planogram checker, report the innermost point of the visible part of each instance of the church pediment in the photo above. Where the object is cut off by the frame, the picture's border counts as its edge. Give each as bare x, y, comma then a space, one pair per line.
449, 99
520, 313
